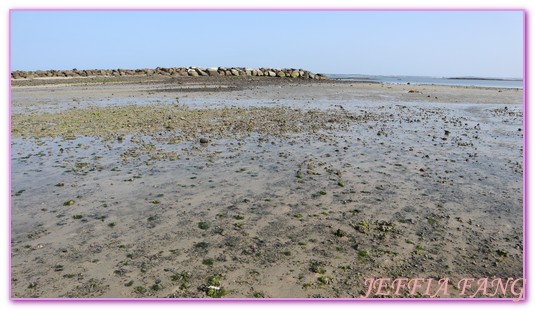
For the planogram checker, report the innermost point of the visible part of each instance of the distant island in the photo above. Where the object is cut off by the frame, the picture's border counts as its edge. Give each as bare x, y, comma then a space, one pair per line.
482, 79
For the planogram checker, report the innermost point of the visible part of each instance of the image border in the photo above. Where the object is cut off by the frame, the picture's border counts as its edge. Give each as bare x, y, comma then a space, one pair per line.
525, 154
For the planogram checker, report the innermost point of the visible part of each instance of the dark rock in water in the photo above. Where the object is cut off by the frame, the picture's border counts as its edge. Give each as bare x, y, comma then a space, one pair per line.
446, 132
204, 140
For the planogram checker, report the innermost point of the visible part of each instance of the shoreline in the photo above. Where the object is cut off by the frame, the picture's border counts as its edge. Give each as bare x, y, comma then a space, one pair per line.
125, 80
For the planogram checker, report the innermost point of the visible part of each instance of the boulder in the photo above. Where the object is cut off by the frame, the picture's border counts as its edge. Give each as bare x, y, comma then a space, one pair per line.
294, 74
201, 72
212, 72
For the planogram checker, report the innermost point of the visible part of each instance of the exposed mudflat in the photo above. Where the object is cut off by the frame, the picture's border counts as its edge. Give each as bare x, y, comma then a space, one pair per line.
298, 189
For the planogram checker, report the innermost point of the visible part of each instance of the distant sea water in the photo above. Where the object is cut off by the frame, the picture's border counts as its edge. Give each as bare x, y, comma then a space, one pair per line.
426, 80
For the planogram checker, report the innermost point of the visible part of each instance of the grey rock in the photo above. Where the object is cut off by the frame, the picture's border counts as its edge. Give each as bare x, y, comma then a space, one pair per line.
201, 72
212, 72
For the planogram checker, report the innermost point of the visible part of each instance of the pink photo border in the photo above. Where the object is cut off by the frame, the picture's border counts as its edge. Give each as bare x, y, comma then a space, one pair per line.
286, 300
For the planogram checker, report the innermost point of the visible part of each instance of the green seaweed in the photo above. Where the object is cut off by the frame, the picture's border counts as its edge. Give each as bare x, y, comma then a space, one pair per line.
258, 295
203, 225
208, 262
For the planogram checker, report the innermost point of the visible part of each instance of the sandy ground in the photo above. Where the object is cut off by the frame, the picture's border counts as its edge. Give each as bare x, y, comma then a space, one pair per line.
304, 189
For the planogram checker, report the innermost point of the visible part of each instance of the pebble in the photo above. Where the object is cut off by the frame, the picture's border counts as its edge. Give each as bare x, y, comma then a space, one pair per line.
203, 140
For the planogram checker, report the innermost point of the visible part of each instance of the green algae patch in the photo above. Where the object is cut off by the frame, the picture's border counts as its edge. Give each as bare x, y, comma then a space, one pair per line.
117, 121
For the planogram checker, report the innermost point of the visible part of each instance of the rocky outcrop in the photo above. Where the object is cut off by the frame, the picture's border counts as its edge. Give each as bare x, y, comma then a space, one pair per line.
191, 71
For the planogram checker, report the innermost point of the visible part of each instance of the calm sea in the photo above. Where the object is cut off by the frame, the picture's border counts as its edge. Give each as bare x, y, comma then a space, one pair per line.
474, 82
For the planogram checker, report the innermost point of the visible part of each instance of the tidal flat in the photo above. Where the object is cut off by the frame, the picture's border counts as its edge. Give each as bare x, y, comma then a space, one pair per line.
235, 187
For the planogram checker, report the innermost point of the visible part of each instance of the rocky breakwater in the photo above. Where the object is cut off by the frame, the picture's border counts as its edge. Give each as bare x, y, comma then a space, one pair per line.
191, 71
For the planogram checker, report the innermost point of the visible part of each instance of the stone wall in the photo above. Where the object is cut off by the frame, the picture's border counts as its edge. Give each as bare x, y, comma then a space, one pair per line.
191, 71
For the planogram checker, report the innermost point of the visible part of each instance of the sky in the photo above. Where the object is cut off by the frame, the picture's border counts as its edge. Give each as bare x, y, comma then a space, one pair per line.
421, 43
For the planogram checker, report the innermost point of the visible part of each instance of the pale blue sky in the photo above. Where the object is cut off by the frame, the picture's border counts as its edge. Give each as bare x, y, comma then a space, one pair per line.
430, 43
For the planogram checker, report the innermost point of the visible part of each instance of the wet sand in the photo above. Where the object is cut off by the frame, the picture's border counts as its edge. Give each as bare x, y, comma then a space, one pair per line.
304, 189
